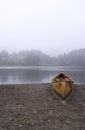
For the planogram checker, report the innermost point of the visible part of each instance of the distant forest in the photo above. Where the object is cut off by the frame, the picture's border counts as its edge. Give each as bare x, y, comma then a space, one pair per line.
37, 58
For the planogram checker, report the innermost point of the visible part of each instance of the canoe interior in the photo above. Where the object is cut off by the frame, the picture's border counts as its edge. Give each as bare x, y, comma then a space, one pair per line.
62, 85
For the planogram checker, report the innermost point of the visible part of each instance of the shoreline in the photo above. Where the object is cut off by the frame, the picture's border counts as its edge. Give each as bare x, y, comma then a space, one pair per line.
34, 107
25, 84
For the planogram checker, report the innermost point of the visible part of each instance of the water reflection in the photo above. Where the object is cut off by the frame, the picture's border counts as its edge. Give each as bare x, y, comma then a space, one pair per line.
35, 75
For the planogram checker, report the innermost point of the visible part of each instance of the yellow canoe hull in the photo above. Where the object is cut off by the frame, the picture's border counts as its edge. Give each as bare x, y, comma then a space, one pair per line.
62, 85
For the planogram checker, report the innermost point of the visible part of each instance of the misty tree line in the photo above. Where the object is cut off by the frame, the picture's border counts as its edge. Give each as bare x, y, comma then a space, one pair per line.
35, 57
25, 58
74, 58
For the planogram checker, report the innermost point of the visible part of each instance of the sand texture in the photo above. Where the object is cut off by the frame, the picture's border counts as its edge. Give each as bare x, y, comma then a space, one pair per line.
35, 107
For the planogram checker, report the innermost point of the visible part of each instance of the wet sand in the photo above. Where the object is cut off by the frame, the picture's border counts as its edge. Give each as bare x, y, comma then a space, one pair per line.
35, 107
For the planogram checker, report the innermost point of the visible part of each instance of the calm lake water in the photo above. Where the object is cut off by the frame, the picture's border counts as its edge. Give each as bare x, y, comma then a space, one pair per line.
25, 75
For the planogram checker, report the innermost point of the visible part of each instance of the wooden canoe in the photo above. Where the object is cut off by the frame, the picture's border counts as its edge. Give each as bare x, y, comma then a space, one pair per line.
62, 85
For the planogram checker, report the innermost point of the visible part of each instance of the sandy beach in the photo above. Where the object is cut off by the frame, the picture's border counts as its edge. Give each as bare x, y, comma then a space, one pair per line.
35, 107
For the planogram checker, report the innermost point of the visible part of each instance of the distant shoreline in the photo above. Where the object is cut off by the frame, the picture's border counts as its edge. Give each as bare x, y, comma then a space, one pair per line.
42, 67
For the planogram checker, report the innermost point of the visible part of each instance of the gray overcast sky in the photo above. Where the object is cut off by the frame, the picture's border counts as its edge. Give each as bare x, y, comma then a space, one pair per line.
52, 26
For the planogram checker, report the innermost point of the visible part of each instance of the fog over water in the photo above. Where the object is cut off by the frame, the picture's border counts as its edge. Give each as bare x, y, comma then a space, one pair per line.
52, 26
